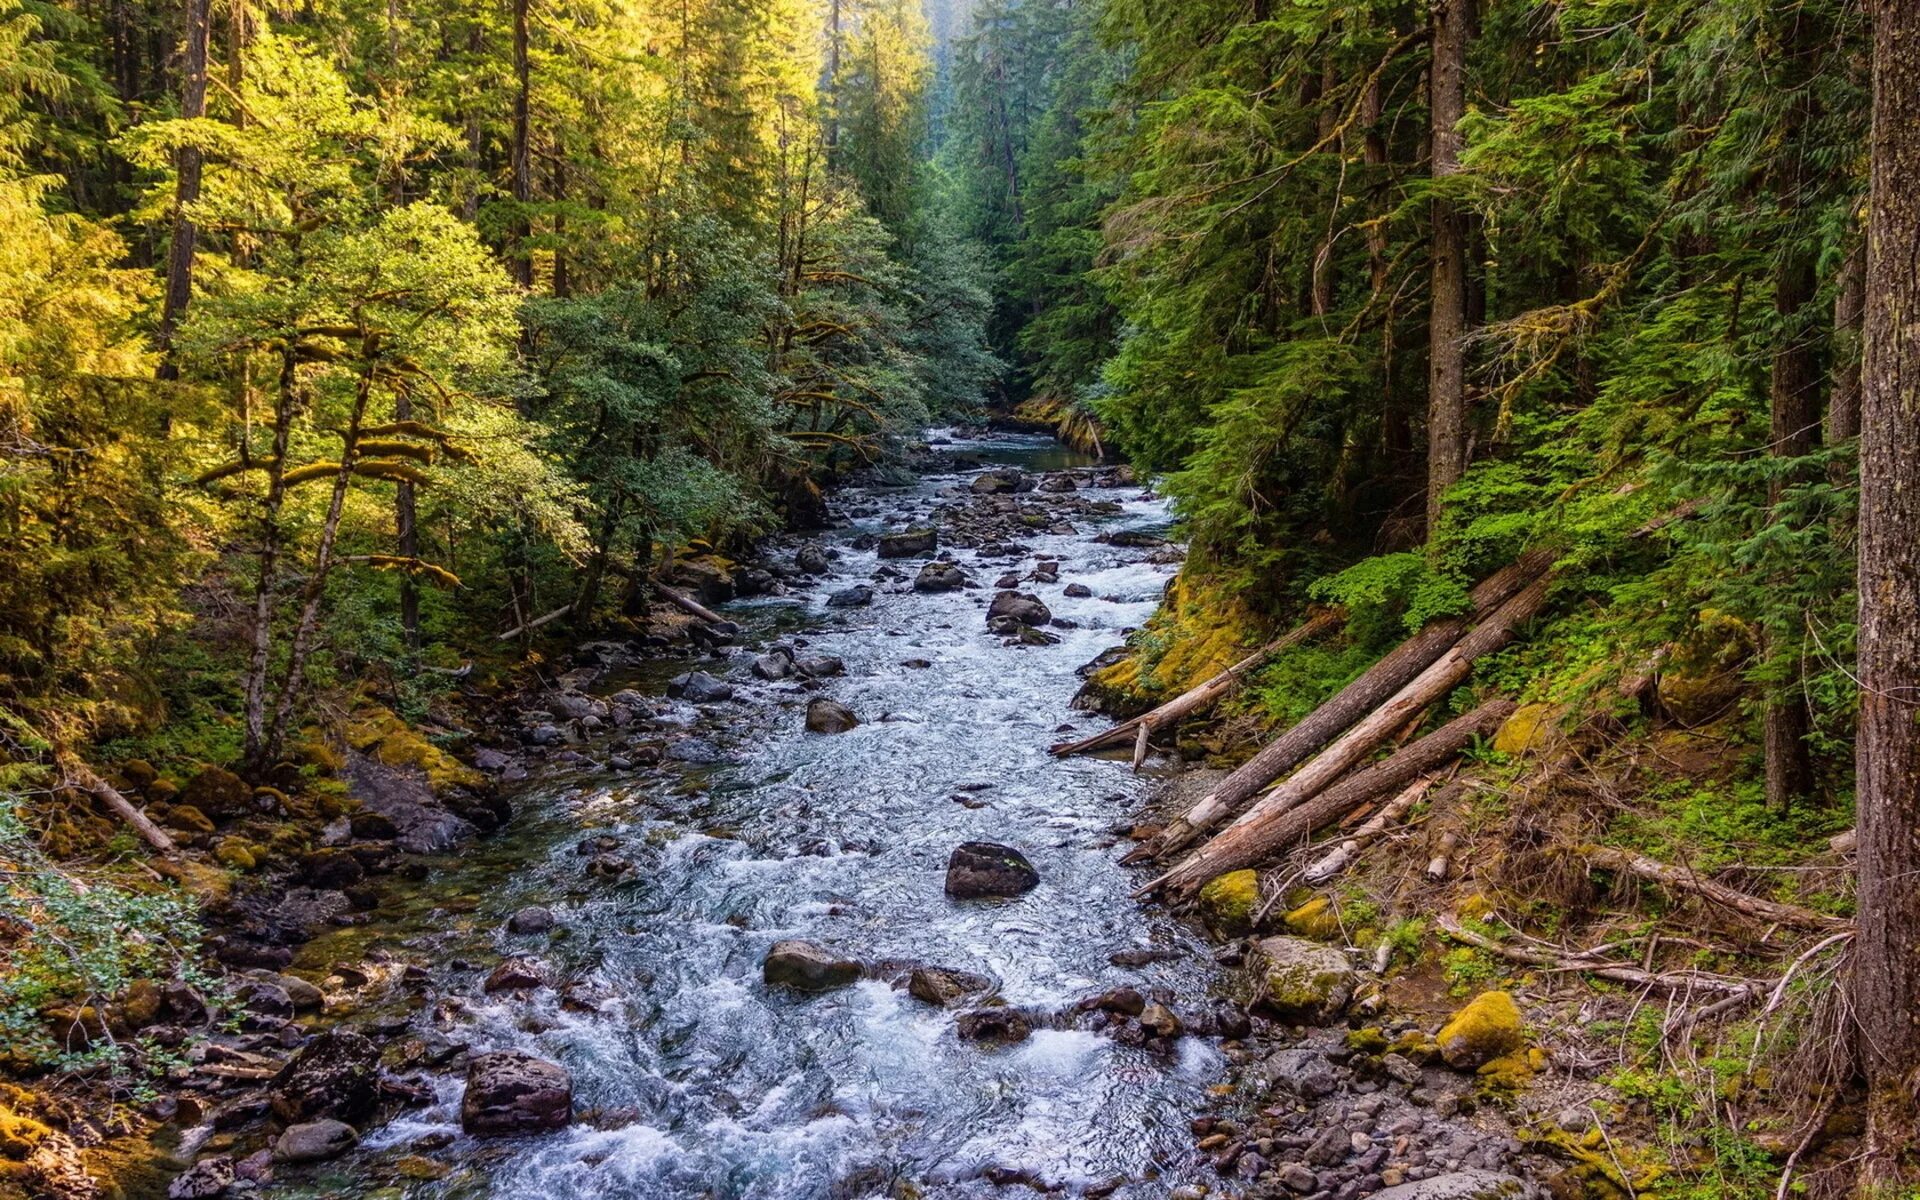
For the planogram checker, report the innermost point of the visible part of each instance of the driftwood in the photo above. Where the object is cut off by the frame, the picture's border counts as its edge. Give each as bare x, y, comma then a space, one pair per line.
1681, 878
1350, 847
1204, 696
1442, 860
1291, 814
1377, 686
688, 604
78, 774
536, 623
1682, 982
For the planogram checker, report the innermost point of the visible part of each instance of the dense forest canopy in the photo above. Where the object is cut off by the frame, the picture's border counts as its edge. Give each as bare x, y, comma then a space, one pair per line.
342, 345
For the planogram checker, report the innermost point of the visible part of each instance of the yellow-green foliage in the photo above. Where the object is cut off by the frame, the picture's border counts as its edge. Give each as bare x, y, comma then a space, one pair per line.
1488, 1028
1531, 726
1315, 919
1228, 903
1198, 632
383, 736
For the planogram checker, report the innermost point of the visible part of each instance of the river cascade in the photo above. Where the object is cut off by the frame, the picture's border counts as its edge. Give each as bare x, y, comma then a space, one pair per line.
694, 1077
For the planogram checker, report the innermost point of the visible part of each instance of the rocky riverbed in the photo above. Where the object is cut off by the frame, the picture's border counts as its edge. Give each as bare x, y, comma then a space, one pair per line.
795, 904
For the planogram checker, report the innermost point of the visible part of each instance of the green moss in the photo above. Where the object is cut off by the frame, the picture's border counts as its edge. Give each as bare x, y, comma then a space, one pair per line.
1228, 903
1315, 919
1487, 1029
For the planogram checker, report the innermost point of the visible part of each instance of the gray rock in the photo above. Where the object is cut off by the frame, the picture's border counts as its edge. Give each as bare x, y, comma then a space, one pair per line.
806, 967
811, 559
977, 869
1024, 607
336, 1075
511, 1091
1301, 981
1078, 591
821, 666
699, 687
314, 1141
774, 666
994, 1025
940, 577
1298, 1177
205, 1179
829, 716
1159, 1021
1000, 483
515, 975
942, 986
908, 544
531, 919
857, 596
1464, 1185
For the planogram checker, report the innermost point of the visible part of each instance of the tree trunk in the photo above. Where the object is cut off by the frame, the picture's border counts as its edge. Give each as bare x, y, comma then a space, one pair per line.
1447, 320
1272, 828
267, 579
1355, 701
1849, 301
520, 255
1794, 400
185, 237
407, 533
1886, 982
1203, 697
1430, 686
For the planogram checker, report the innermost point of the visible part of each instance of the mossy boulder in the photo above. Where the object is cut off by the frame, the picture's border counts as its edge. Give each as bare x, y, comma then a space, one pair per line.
384, 737
1315, 919
235, 853
218, 793
1301, 981
1228, 903
187, 819
1531, 727
1489, 1027
139, 773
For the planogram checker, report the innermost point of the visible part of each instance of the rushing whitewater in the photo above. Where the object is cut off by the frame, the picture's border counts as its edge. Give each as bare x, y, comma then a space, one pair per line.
691, 1076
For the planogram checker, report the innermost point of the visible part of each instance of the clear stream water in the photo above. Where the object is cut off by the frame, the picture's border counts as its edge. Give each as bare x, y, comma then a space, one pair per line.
696, 1080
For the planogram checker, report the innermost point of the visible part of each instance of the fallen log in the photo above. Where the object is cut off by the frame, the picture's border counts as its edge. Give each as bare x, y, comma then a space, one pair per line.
1682, 879
536, 623
1350, 847
1204, 696
1375, 687
1291, 813
1682, 982
688, 604
79, 775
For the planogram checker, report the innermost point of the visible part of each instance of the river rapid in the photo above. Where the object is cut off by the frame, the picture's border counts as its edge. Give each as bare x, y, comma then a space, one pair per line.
695, 1079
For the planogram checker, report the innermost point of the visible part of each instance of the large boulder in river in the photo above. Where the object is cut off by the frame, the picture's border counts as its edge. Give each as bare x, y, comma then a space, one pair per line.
978, 869
811, 559
336, 1075
1301, 981
940, 577
829, 716
314, 1141
1000, 483
511, 1091
908, 544
806, 967
857, 596
1024, 607
944, 986
699, 687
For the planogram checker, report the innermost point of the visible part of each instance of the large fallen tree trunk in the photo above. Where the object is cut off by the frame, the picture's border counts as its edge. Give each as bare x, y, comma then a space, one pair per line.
1364, 695
1292, 813
83, 777
1204, 696
1341, 856
1355, 744
1680, 878
687, 604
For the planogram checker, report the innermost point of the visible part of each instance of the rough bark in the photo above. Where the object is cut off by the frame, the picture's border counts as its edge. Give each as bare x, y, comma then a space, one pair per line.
688, 604
1294, 811
1356, 700
1849, 302
1794, 403
1447, 319
267, 576
1886, 981
1341, 856
82, 776
520, 256
1204, 696
185, 236
1429, 686
1680, 878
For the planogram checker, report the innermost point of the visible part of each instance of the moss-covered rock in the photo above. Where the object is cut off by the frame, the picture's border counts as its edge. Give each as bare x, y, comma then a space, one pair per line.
188, 819
218, 793
1301, 981
1531, 727
383, 736
235, 853
139, 773
1315, 919
1228, 903
1489, 1027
